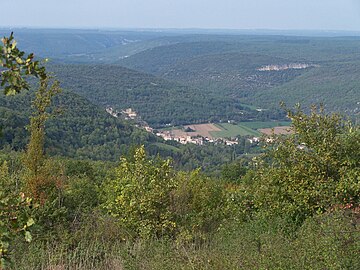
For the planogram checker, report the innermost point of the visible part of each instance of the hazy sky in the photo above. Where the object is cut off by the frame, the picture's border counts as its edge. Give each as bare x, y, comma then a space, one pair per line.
231, 14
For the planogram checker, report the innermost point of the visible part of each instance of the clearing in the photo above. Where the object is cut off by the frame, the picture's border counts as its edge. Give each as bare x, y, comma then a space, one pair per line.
227, 130
277, 130
203, 130
233, 130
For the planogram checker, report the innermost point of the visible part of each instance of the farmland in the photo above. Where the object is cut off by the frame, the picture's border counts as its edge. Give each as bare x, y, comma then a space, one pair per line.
204, 130
227, 130
276, 130
231, 130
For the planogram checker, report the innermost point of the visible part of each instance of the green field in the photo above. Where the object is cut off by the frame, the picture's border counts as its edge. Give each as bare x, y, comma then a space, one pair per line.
230, 130
241, 129
245, 128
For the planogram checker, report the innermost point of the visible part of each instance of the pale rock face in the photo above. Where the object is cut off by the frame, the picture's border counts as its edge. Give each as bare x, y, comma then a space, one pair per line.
286, 66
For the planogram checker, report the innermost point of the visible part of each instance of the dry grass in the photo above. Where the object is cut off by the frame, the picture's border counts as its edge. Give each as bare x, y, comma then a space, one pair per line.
277, 131
200, 130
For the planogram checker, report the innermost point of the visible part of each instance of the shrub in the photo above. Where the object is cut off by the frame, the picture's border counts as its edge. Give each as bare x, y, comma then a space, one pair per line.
139, 196
311, 170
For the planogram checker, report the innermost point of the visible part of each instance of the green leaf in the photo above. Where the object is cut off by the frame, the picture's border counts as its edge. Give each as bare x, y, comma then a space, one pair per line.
30, 222
28, 236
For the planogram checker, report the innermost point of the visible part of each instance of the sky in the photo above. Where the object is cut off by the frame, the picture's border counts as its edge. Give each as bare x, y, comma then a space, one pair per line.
208, 14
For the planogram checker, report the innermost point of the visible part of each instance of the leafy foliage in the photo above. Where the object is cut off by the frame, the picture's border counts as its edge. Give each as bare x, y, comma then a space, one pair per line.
35, 149
14, 66
139, 196
150, 198
312, 170
199, 206
14, 214
13, 69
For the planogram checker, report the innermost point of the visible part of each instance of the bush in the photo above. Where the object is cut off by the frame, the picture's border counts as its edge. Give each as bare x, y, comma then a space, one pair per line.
310, 171
149, 198
198, 204
139, 196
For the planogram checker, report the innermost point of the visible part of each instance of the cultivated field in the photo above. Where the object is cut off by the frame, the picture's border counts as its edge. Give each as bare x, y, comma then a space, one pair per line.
203, 130
230, 130
276, 130
226, 130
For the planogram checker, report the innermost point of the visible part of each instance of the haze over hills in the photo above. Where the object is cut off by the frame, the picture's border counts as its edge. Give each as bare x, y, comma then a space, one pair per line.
83, 45
226, 68
208, 77
200, 76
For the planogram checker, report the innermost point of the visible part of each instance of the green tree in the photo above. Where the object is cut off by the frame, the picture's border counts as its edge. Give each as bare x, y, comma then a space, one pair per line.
139, 196
14, 67
148, 197
14, 214
311, 171
35, 148
198, 204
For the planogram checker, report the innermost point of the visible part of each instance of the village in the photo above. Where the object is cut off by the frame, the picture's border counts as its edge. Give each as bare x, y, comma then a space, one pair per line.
195, 139
195, 134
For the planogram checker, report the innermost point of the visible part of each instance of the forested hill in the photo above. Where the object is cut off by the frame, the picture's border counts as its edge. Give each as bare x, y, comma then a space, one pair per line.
82, 130
158, 101
212, 74
336, 85
158, 60
330, 75
79, 128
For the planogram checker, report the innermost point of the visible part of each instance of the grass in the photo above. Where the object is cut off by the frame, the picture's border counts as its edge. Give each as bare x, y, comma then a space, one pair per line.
328, 241
171, 128
241, 129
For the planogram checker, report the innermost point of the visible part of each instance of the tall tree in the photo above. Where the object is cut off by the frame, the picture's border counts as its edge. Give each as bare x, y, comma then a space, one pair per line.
14, 68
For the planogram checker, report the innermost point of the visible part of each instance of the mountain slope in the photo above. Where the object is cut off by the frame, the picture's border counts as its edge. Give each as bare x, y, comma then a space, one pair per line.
158, 101
85, 131
336, 86
231, 69
81, 130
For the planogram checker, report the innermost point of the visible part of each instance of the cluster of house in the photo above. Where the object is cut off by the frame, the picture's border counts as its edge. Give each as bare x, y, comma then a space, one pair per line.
170, 136
128, 113
254, 140
112, 112
198, 140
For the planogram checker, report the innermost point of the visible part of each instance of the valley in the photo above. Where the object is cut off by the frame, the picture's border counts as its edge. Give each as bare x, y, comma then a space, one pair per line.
195, 88
187, 148
178, 78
